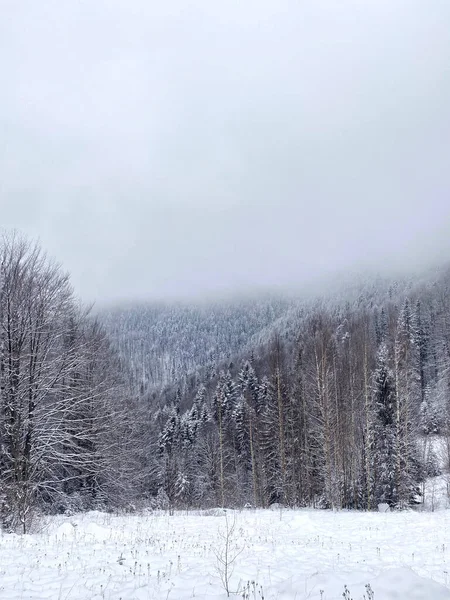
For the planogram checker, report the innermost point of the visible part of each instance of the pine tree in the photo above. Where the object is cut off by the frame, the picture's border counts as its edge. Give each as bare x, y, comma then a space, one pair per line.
383, 458
408, 398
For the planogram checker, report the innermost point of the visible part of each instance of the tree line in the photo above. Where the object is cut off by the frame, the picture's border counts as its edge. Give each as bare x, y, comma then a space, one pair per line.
334, 406
341, 416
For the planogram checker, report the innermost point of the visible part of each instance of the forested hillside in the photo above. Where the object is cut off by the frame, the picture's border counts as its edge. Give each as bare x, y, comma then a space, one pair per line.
328, 402
324, 405
161, 343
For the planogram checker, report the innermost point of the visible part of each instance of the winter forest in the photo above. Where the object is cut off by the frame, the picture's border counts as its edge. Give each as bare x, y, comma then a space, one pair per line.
327, 402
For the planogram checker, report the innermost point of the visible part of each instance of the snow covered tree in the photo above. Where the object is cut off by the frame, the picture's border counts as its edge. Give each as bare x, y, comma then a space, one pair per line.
408, 399
62, 416
383, 487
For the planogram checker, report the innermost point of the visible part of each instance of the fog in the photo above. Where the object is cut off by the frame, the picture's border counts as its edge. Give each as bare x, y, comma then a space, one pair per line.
173, 149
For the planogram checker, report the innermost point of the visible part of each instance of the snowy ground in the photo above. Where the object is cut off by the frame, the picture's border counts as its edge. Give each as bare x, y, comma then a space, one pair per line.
301, 555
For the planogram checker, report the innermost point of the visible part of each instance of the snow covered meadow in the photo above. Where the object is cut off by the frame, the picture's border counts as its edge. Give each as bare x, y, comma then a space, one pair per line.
281, 554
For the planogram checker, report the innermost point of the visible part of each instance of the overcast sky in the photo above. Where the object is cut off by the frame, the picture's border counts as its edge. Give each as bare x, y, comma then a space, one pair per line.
176, 147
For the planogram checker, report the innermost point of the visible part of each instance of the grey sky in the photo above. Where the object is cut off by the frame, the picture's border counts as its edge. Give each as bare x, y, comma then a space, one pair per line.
173, 147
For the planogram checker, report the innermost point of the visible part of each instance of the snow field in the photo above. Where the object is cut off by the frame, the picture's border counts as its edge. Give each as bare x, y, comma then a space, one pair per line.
285, 555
